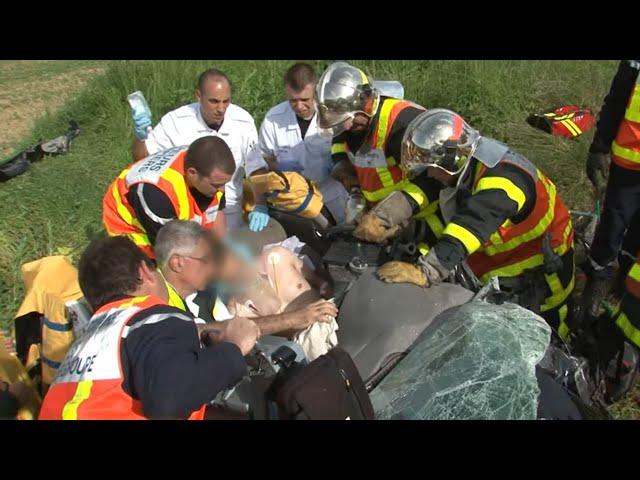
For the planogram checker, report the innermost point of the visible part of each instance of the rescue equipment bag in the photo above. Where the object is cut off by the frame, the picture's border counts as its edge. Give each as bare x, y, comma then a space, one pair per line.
329, 388
289, 192
569, 121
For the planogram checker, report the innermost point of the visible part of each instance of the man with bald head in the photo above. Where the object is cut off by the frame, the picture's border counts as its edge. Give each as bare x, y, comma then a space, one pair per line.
212, 114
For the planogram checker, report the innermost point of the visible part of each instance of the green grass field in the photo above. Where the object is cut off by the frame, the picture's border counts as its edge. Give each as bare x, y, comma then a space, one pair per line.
56, 206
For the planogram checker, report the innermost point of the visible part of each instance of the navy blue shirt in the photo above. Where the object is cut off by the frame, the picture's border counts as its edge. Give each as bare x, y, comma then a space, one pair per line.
165, 367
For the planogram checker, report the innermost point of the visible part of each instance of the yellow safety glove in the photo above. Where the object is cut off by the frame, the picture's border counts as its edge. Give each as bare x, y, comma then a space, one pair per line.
402, 272
372, 229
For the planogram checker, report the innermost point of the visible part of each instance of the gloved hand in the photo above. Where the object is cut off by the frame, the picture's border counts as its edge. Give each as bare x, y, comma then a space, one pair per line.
597, 171
372, 229
289, 166
141, 123
259, 218
402, 272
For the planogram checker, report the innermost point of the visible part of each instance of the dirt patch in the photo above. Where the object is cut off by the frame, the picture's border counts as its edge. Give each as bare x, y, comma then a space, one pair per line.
24, 100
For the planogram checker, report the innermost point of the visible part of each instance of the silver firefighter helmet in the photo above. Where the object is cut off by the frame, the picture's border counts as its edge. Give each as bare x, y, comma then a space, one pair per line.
438, 138
343, 91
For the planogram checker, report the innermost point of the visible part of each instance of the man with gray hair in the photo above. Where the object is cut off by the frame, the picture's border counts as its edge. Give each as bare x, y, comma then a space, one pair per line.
191, 261
184, 256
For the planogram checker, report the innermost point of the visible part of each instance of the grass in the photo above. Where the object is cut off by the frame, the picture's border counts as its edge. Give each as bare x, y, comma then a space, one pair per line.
30, 89
56, 206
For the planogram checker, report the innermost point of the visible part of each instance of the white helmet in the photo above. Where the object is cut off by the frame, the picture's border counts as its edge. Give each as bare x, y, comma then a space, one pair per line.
438, 138
344, 90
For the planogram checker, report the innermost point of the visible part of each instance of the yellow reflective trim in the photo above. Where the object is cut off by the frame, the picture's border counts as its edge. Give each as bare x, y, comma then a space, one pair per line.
416, 193
559, 294
563, 328
634, 273
631, 332
83, 390
140, 239
180, 187
435, 224
633, 110
504, 184
573, 127
122, 210
514, 269
517, 268
627, 154
133, 301
497, 246
383, 121
385, 177
380, 194
338, 148
468, 239
423, 248
363, 77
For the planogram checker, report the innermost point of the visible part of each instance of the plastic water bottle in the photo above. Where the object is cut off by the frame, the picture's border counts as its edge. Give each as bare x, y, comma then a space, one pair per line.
355, 206
139, 104
389, 88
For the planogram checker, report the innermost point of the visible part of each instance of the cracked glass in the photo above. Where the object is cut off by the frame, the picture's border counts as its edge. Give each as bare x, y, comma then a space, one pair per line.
475, 362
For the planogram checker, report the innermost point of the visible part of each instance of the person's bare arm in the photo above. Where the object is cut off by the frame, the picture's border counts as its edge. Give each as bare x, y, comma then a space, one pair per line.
320, 311
139, 150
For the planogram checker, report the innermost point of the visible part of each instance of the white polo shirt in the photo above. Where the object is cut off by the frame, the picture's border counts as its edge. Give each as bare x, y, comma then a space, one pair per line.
280, 137
185, 125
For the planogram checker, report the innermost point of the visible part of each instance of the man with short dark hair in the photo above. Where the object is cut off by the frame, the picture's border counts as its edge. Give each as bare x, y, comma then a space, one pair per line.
289, 138
212, 114
187, 184
140, 358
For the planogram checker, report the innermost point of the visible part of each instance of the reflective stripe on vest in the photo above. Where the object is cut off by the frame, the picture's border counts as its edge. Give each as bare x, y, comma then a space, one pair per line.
632, 282
89, 381
628, 320
625, 149
378, 175
515, 248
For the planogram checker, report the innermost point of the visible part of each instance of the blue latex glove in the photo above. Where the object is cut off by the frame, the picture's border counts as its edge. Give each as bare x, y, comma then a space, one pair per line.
289, 166
141, 122
259, 218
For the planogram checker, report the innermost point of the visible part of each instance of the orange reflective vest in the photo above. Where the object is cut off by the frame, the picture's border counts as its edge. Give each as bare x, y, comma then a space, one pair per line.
625, 149
165, 170
627, 316
514, 248
378, 174
88, 385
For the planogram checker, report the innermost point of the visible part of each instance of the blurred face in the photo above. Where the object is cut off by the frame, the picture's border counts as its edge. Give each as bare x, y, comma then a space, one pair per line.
214, 100
302, 102
207, 185
235, 271
196, 270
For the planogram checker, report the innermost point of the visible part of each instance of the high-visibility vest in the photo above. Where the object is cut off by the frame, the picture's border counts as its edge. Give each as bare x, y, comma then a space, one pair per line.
378, 175
88, 385
627, 315
625, 149
514, 248
165, 170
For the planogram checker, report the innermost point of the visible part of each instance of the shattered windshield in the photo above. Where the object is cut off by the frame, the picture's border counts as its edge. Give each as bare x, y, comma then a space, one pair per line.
474, 362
